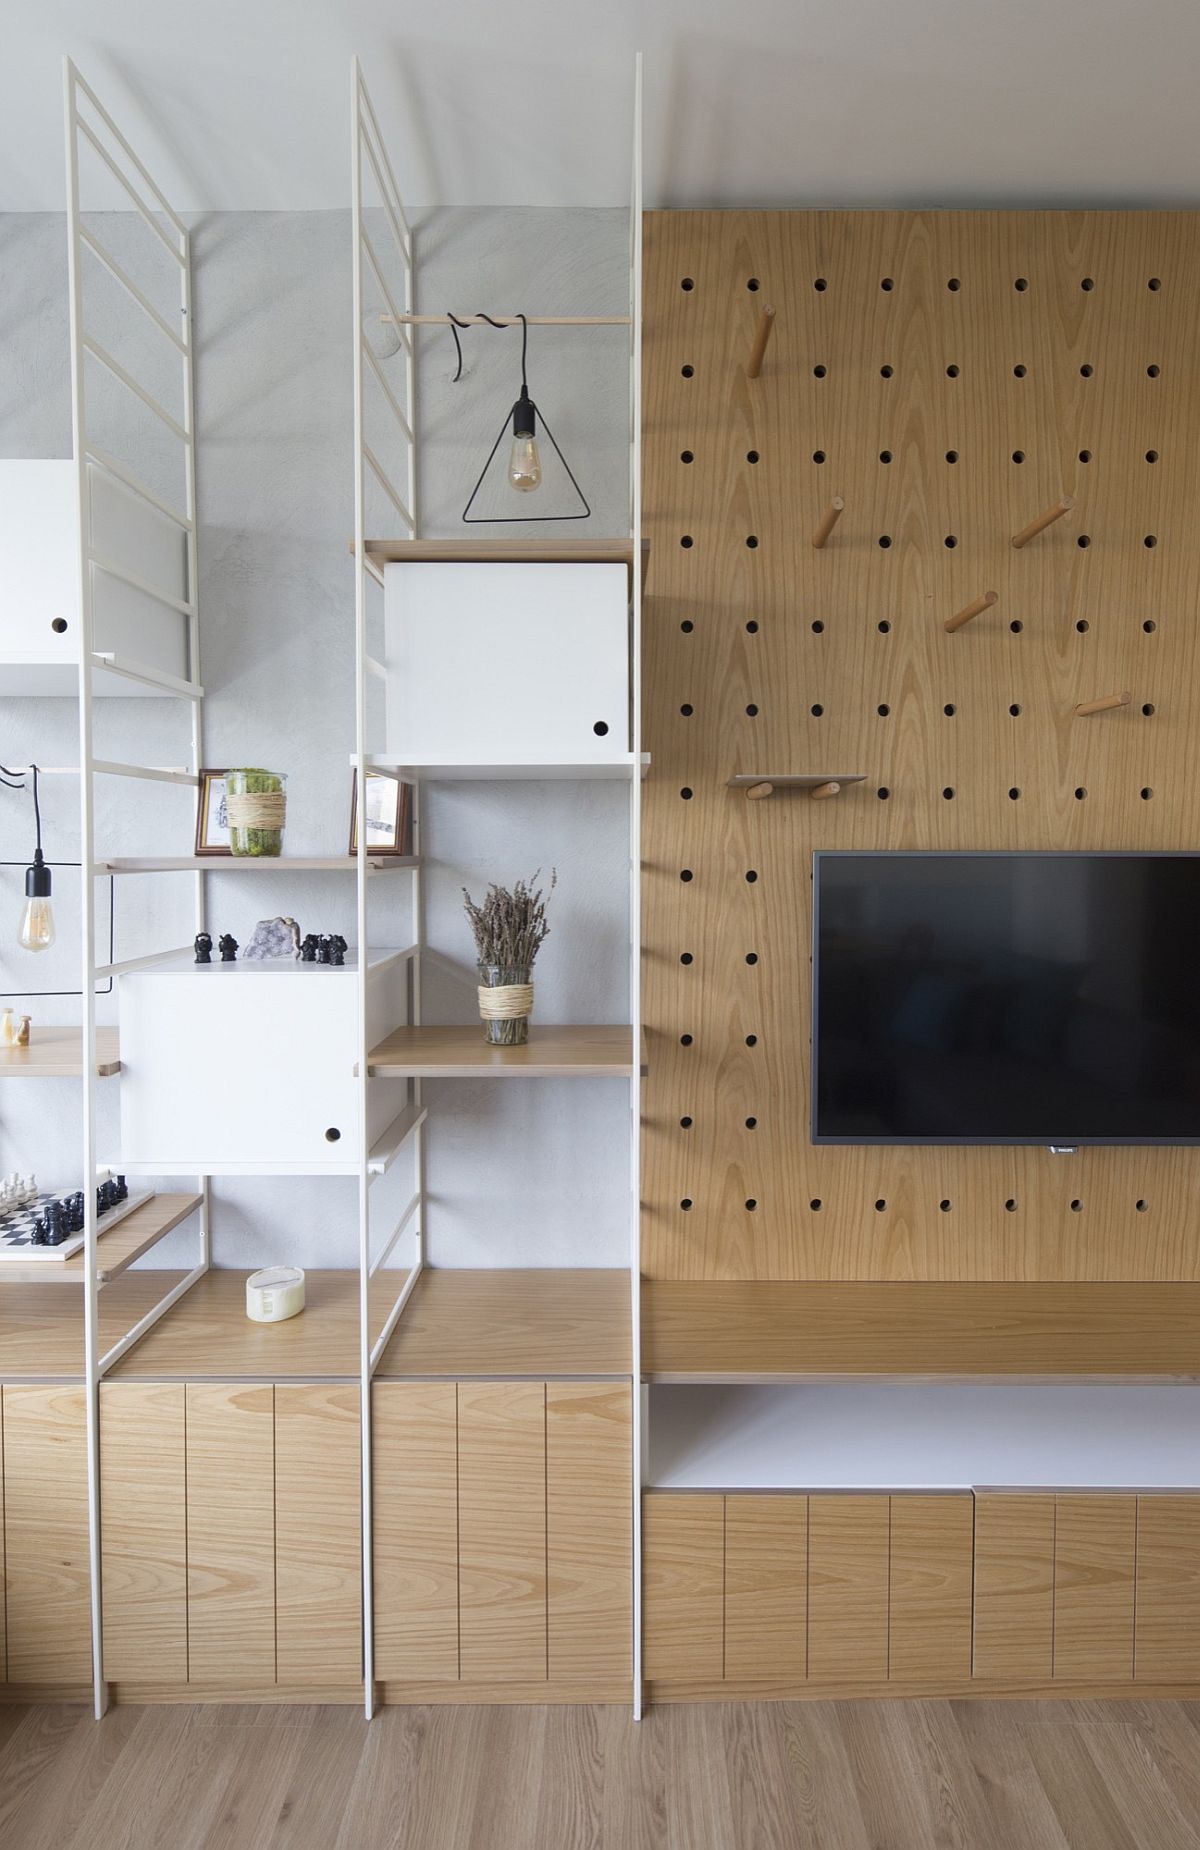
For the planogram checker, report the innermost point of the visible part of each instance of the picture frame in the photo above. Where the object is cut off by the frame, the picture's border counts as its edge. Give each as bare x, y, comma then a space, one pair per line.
389, 815
212, 829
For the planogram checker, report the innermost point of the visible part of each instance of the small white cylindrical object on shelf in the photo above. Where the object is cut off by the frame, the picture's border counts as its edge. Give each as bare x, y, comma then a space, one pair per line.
275, 1294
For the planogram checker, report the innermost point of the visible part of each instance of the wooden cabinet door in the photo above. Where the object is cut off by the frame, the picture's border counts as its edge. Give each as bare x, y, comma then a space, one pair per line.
929, 1624
415, 1519
502, 1531
318, 1535
1095, 1547
589, 1531
683, 1574
1167, 1633
143, 1531
46, 1535
231, 1533
766, 1587
848, 1588
1014, 1587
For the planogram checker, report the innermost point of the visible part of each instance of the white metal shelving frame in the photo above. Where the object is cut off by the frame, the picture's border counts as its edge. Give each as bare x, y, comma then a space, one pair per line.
372, 480
90, 127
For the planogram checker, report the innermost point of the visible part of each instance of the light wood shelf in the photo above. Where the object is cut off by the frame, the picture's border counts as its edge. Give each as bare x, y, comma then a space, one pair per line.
208, 1336
57, 1053
244, 863
610, 770
794, 780
784, 1330
508, 552
552, 1052
512, 1323
116, 1250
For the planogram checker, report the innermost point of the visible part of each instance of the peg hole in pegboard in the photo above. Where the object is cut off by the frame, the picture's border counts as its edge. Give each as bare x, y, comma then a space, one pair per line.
752, 627
751, 711
885, 456
1085, 456
686, 541
1010, 1206
952, 371
1018, 456
886, 372
818, 456
1088, 284
751, 957
884, 627
953, 285
1149, 626
687, 372
1077, 1206
751, 1124
685, 1040
686, 1204
1019, 370
751, 1204
950, 541
887, 284
1082, 625
817, 627
687, 709
1155, 283
1084, 541
687, 283
687, 626
819, 372
1141, 1205
1014, 795
752, 1040
945, 1204
951, 456
885, 540
1015, 710
1086, 370
752, 541
685, 957
1080, 793
948, 793
751, 875
685, 1124
753, 285
1148, 710
816, 710
1021, 284
949, 709
1150, 540
686, 874
883, 709
881, 1205
820, 285
686, 794
1152, 372
687, 456
1151, 456
1016, 626
883, 793
751, 456
1146, 793
816, 1204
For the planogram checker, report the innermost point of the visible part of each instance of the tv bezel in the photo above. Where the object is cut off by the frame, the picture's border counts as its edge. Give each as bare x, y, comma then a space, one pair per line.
1064, 1141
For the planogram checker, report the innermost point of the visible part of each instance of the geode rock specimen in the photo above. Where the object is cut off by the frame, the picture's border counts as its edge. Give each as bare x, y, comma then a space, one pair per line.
273, 938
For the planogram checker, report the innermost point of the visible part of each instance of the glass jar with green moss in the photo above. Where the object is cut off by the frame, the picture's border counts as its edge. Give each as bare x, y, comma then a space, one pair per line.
255, 809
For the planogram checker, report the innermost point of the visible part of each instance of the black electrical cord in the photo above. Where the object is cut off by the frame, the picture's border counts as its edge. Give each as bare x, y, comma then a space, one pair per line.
40, 994
456, 324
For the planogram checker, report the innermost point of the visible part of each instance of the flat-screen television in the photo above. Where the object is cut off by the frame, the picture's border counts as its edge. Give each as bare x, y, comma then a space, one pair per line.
1006, 998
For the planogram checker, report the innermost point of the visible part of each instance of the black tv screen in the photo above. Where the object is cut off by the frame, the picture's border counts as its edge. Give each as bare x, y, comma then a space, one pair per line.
1006, 998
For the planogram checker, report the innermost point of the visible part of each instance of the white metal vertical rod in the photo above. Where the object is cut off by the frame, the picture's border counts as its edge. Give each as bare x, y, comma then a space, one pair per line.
635, 858
86, 896
360, 759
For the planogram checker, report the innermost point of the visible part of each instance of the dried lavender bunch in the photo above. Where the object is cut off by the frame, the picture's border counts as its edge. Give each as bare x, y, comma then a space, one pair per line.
510, 927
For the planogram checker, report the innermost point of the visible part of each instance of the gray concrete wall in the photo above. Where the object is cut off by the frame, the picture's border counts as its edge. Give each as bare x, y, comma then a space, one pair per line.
530, 1174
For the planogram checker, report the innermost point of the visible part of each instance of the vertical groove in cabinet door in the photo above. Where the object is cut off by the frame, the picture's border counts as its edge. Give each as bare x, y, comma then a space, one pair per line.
318, 1534
231, 1533
415, 1476
1095, 1545
1167, 1629
502, 1531
46, 1535
143, 1531
932, 1568
1014, 1587
683, 1573
848, 1588
589, 1531
766, 1587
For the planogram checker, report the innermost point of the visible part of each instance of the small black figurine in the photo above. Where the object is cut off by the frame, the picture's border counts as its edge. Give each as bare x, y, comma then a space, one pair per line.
40, 1231
308, 950
56, 1230
122, 1189
203, 948
338, 950
228, 948
325, 954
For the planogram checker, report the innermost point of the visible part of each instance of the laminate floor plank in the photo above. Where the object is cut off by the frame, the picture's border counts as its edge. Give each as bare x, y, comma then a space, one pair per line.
1050, 1775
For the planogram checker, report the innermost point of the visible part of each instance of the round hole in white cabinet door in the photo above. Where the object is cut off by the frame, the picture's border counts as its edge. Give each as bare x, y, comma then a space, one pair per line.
600, 728
333, 1134
59, 625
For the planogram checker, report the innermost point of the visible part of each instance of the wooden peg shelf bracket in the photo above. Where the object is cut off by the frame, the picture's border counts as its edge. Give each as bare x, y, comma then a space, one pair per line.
757, 791
974, 609
829, 521
1106, 704
1042, 521
758, 785
822, 791
762, 334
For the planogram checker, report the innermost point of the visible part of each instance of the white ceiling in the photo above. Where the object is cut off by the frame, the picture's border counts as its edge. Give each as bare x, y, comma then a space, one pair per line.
244, 103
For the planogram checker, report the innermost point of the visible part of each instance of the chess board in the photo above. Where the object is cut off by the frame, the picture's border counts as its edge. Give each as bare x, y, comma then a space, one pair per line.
16, 1227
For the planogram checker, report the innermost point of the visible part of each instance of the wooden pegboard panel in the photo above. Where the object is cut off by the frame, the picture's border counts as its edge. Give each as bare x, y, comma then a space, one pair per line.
949, 375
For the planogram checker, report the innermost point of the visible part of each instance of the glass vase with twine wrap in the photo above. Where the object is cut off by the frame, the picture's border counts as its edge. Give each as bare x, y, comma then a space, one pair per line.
255, 810
510, 928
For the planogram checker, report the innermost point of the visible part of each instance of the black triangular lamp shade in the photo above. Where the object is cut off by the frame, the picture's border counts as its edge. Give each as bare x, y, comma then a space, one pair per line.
525, 466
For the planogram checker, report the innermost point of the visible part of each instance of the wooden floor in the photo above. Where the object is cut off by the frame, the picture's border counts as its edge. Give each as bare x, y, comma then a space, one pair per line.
833, 1776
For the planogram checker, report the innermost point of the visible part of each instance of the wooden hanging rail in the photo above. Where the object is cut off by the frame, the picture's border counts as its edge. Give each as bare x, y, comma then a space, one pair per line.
974, 609
510, 321
1105, 704
1042, 521
759, 784
829, 521
762, 334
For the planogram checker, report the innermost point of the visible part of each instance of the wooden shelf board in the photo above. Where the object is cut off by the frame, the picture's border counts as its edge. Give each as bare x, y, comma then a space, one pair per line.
208, 1335
526, 1323
783, 1330
508, 552
794, 780
117, 1249
552, 1052
243, 863
57, 1053
606, 770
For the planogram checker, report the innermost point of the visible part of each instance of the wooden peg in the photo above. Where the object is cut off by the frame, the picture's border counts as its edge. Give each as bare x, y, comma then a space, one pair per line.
1103, 705
757, 791
762, 334
1043, 520
829, 521
821, 791
974, 609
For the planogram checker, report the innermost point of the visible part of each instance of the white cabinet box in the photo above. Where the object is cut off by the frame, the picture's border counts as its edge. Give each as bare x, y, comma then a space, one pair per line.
507, 663
40, 628
248, 1068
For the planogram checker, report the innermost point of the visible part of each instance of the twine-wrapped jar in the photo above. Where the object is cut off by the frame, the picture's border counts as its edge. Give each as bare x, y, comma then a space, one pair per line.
505, 1004
256, 810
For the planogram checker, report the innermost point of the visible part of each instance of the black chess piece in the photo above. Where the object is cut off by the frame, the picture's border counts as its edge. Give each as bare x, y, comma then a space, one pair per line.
203, 945
308, 950
339, 949
105, 1198
56, 1227
74, 1213
39, 1235
228, 948
325, 953
122, 1189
